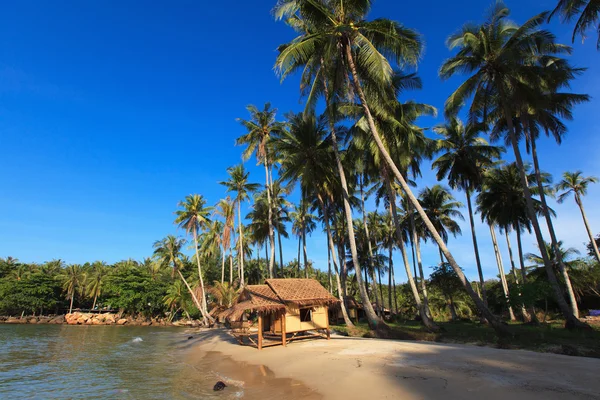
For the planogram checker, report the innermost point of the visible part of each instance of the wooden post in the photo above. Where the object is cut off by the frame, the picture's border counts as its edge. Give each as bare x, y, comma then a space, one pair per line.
260, 331
328, 331
283, 337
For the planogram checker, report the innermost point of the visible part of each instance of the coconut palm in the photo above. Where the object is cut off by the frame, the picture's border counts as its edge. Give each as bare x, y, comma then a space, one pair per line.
194, 218
506, 63
95, 281
577, 184
260, 127
346, 54
465, 154
175, 299
73, 281
168, 252
303, 223
587, 13
238, 183
225, 208
224, 293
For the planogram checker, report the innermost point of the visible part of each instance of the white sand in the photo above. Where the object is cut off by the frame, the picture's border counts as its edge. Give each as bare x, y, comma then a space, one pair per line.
353, 368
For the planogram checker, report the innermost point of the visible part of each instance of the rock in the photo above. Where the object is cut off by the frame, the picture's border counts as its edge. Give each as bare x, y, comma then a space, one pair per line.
32, 320
109, 318
14, 320
219, 386
122, 321
146, 323
44, 320
57, 320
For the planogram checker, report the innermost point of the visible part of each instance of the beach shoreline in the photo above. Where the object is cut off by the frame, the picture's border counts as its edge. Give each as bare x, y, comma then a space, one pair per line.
349, 368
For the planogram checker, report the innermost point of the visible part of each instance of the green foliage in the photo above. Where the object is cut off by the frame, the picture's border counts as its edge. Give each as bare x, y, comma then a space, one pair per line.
135, 292
37, 293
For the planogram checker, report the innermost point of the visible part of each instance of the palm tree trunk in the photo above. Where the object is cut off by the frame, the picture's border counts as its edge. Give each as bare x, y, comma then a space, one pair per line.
417, 242
571, 320
304, 251
271, 233
223, 264
587, 226
381, 293
411, 218
374, 321
421, 307
561, 264
341, 294
370, 248
476, 247
95, 298
280, 254
299, 246
329, 267
241, 246
500, 328
524, 312
390, 278
196, 301
71, 306
501, 273
204, 309
531, 315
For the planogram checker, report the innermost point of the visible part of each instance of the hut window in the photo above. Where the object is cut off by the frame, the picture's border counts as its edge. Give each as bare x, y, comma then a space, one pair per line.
306, 314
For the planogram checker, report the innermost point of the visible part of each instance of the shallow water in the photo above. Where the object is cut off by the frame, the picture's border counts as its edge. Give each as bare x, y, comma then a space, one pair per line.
99, 362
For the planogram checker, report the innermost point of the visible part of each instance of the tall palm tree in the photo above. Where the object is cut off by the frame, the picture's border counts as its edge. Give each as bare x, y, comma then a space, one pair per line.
340, 47
168, 252
464, 157
238, 183
576, 183
307, 154
73, 280
303, 223
225, 208
505, 61
194, 218
587, 13
95, 281
260, 127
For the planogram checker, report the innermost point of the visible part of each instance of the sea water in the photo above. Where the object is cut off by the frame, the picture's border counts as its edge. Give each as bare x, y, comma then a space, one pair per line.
120, 362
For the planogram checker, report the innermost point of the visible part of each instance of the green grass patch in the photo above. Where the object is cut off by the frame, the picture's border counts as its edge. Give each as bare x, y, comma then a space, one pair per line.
547, 338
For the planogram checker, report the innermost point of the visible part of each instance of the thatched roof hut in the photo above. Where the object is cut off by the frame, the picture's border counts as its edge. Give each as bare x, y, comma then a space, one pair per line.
285, 306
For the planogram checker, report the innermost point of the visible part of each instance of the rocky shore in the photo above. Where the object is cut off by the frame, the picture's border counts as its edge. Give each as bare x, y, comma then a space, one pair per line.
79, 318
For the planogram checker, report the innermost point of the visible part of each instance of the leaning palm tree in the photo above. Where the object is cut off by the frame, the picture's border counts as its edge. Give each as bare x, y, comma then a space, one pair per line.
194, 218
587, 13
260, 127
465, 155
348, 56
507, 74
95, 281
576, 183
168, 252
238, 183
73, 280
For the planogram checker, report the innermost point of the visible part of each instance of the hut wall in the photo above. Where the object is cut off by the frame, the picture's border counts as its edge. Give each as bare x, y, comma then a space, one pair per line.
293, 322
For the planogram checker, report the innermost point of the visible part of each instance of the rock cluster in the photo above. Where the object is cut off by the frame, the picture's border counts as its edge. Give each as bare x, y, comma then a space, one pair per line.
79, 318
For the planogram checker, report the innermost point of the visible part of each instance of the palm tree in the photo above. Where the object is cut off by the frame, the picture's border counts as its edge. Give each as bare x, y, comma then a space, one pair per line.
336, 42
303, 223
465, 154
225, 208
175, 299
307, 154
260, 127
194, 218
238, 183
576, 183
73, 280
507, 74
95, 281
224, 293
168, 252
588, 12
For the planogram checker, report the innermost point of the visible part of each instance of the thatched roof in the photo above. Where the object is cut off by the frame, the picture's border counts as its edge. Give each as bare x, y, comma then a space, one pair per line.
301, 292
272, 297
255, 298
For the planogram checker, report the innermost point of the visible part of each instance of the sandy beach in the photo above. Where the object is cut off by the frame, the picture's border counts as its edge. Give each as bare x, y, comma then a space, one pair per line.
355, 368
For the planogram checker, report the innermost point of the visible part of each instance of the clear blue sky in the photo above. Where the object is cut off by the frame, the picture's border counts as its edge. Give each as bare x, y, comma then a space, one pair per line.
111, 112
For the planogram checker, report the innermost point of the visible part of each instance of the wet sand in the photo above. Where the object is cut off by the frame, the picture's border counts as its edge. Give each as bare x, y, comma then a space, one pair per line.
355, 368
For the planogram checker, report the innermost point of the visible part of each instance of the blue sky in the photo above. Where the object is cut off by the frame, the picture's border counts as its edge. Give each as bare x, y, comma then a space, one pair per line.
111, 112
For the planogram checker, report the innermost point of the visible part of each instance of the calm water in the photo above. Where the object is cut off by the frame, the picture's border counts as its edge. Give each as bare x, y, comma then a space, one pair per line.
99, 362
117, 362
